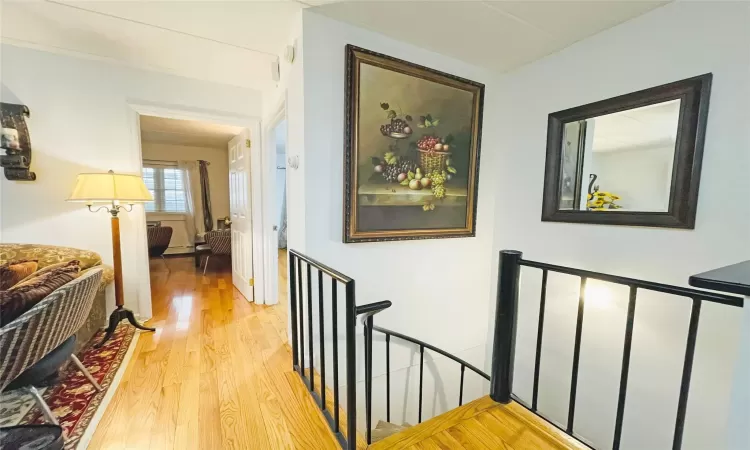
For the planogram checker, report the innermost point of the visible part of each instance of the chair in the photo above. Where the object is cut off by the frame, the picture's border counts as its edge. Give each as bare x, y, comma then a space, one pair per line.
219, 243
158, 238
43, 337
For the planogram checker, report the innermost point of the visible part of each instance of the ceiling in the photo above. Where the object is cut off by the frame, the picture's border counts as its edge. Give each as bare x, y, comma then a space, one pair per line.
191, 133
235, 42
648, 127
231, 42
499, 35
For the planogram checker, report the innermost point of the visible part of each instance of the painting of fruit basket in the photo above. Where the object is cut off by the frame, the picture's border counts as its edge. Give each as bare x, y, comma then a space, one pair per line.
412, 150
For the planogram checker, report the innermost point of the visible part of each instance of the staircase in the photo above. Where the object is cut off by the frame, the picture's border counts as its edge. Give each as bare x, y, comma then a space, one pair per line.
498, 421
385, 430
481, 424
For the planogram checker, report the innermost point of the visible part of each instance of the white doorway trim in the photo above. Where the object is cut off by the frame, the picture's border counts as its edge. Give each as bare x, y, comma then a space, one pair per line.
270, 244
136, 108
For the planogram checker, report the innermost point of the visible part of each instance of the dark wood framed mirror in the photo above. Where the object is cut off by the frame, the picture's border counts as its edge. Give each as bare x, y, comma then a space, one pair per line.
629, 160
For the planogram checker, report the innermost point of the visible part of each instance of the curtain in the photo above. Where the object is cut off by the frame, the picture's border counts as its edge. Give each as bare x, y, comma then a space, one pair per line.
194, 216
208, 220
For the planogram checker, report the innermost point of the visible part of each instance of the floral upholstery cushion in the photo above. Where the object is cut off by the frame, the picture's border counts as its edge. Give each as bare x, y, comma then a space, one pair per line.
23, 296
13, 272
48, 254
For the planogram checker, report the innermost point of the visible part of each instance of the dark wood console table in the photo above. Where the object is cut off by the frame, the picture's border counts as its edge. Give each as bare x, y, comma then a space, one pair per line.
734, 279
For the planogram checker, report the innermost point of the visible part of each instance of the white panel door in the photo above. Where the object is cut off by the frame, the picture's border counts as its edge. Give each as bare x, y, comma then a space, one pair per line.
240, 208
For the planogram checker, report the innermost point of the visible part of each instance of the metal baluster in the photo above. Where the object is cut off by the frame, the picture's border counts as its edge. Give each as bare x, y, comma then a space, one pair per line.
461, 389
539, 334
687, 371
293, 310
576, 357
334, 314
322, 342
625, 368
351, 367
387, 377
368, 377
421, 375
301, 319
310, 327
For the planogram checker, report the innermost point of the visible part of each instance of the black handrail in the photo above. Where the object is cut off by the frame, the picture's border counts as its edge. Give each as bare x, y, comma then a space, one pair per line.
501, 383
373, 308
433, 348
724, 299
333, 273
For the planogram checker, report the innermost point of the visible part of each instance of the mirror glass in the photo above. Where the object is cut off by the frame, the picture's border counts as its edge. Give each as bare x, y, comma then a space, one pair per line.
621, 161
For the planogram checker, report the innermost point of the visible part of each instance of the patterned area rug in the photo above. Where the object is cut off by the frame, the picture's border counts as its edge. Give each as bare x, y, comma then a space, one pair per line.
73, 399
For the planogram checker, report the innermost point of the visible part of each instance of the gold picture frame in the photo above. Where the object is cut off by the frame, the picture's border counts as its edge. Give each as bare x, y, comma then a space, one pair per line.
412, 145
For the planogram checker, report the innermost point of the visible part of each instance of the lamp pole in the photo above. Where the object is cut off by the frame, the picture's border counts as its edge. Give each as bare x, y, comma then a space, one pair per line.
120, 313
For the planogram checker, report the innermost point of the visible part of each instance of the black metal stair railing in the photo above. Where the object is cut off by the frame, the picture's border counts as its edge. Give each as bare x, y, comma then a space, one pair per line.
501, 384
301, 314
369, 328
297, 312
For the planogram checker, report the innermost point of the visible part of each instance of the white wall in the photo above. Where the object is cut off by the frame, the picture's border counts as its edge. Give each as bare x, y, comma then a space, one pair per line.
286, 97
439, 288
218, 176
739, 419
677, 41
289, 91
641, 177
81, 121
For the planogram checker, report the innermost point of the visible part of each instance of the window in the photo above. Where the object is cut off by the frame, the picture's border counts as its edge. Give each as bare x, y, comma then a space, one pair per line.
168, 188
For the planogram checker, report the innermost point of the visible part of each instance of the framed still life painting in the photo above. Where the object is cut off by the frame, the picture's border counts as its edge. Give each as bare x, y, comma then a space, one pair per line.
412, 150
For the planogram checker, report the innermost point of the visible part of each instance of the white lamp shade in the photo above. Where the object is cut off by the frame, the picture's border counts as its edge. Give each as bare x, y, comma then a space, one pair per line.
109, 187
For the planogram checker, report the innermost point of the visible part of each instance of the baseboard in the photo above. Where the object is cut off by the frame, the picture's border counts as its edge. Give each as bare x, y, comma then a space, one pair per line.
179, 251
178, 255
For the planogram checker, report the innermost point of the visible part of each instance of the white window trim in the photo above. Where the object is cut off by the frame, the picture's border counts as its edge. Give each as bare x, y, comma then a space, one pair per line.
158, 187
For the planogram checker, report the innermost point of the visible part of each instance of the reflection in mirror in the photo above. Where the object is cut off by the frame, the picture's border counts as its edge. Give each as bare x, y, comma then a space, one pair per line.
620, 161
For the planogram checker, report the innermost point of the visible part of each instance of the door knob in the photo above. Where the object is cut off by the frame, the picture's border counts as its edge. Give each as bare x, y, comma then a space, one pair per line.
275, 228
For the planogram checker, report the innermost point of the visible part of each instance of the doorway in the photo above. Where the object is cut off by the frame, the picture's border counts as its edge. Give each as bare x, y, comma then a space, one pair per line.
275, 198
198, 224
280, 214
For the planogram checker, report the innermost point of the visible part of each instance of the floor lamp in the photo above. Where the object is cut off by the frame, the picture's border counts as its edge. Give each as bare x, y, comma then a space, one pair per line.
114, 189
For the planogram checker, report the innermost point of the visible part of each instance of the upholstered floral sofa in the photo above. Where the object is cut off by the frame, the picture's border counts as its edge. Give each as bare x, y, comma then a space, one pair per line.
50, 254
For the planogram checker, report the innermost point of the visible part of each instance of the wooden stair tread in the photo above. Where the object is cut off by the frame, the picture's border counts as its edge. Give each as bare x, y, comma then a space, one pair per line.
481, 424
384, 430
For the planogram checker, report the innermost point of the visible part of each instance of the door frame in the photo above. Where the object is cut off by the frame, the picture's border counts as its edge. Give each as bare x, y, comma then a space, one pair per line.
136, 108
271, 253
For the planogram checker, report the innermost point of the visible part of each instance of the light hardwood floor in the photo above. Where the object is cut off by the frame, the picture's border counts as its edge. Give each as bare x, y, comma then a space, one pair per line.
216, 374
482, 424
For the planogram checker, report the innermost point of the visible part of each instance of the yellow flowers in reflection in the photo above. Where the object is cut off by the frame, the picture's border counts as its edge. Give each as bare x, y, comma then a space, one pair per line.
602, 201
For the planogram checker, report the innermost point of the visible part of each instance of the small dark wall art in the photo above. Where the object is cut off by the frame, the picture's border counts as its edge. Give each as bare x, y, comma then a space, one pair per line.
412, 150
15, 158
